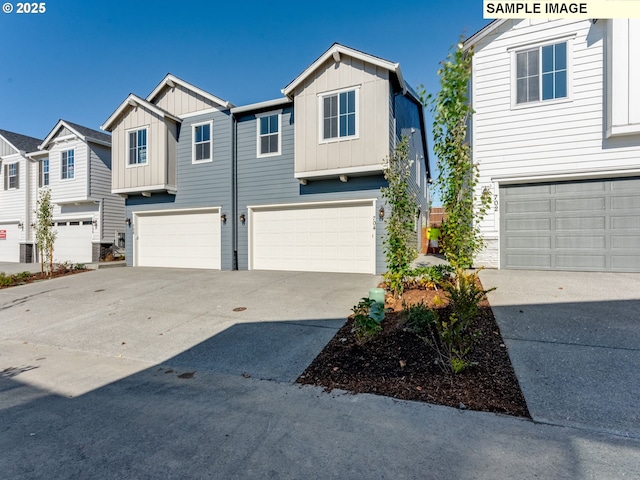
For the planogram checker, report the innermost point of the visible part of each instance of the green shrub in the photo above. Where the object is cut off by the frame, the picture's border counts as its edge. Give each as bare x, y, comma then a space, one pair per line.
420, 317
367, 317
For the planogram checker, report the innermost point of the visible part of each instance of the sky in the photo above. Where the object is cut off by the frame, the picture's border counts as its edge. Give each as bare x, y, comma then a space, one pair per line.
80, 59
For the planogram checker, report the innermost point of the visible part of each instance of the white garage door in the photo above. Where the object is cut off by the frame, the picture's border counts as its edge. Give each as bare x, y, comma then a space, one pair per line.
9, 243
73, 242
318, 238
189, 239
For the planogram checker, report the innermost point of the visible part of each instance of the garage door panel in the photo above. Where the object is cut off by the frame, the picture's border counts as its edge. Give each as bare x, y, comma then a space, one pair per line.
590, 226
325, 238
73, 243
178, 240
10, 245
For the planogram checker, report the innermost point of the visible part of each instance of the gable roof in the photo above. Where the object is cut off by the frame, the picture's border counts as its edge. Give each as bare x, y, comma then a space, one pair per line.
133, 101
335, 51
171, 81
483, 32
20, 143
84, 133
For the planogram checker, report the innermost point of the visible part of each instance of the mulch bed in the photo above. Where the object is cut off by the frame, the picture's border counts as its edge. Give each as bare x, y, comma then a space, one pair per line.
399, 364
34, 277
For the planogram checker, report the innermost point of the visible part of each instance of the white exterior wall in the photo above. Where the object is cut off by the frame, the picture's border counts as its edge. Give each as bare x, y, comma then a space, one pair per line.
112, 216
13, 201
554, 140
76, 189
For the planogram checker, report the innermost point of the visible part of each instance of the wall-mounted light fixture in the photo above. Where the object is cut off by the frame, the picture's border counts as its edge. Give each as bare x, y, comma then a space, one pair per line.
33, 224
381, 213
128, 222
344, 178
94, 222
21, 225
223, 218
243, 218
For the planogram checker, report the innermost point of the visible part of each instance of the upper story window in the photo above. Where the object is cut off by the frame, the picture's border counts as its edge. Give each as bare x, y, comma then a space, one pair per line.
43, 173
68, 164
11, 176
339, 114
202, 142
269, 135
541, 73
138, 147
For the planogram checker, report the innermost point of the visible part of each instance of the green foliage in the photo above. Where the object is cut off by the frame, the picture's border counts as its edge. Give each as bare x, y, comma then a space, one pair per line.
79, 266
460, 237
419, 317
399, 239
451, 335
45, 235
13, 279
432, 276
367, 316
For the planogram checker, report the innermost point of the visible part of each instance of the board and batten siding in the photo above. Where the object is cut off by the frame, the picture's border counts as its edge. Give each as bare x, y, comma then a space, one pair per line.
180, 100
199, 185
160, 141
372, 142
557, 139
270, 181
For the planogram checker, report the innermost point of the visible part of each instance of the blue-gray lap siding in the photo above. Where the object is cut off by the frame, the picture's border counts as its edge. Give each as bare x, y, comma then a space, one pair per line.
198, 185
270, 180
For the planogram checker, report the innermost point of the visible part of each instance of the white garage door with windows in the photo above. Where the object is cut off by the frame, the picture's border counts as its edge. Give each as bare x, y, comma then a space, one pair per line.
179, 239
326, 237
9, 242
73, 241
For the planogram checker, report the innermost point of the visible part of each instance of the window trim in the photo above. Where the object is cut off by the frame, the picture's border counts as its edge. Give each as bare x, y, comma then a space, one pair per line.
321, 97
7, 182
193, 142
568, 40
259, 136
67, 178
128, 146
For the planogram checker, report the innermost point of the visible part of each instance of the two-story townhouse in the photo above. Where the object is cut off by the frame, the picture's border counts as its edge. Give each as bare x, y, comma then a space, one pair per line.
172, 161
556, 135
287, 184
74, 163
310, 166
15, 188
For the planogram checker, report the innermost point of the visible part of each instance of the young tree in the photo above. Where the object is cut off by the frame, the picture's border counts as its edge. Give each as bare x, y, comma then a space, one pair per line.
45, 235
399, 239
461, 238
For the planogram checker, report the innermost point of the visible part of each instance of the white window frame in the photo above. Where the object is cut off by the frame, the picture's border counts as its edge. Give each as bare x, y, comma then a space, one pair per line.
41, 172
259, 154
193, 142
321, 97
128, 147
514, 51
64, 162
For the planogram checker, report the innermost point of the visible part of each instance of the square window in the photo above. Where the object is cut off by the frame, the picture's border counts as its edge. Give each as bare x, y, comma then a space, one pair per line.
339, 118
541, 73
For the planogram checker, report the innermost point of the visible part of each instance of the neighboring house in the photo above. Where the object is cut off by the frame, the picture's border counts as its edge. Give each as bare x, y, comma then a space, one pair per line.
286, 184
74, 163
556, 135
16, 213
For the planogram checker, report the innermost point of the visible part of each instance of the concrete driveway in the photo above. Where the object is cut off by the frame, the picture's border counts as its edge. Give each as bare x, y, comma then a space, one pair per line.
574, 341
150, 373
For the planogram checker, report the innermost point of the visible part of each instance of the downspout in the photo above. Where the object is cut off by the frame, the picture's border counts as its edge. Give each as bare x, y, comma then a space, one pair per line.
234, 190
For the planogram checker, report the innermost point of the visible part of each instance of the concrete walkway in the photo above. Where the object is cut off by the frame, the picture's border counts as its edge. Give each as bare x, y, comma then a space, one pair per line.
574, 341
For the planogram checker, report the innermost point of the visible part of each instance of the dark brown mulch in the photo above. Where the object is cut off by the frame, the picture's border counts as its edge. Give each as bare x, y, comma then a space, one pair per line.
34, 277
397, 363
